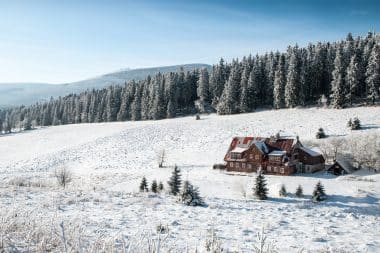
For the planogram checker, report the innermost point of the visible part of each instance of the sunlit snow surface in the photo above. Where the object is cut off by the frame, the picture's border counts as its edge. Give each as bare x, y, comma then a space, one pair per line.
108, 161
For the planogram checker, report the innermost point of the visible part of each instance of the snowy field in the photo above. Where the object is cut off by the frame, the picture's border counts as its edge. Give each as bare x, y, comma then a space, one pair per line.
108, 161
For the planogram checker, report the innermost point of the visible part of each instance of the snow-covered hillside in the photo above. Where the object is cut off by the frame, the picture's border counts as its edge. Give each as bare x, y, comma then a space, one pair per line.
108, 161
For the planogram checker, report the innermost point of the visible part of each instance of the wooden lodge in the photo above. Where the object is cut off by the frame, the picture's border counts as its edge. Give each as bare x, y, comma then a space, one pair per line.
275, 155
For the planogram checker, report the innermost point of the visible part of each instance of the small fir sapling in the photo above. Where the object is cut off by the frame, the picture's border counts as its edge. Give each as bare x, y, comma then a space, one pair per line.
282, 191
260, 190
299, 191
144, 185
154, 186
319, 192
175, 181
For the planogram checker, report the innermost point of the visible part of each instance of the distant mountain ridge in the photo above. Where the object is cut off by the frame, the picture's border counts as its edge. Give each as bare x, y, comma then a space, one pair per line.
28, 93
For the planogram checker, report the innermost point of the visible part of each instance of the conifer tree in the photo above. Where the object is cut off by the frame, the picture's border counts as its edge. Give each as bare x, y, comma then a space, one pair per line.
136, 105
143, 185
299, 191
175, 181
244, 95
190, 195
373, 74
160, 186
228, 103
293, 80
154, 186
338, 84
353, 78
279, 84
319, 192
203, 89
282, 192
260, 190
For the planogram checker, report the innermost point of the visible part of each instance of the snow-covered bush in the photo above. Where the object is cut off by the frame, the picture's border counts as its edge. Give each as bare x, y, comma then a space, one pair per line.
190, 195
162, 229
262, 243
213, 243
354, 124
320, 134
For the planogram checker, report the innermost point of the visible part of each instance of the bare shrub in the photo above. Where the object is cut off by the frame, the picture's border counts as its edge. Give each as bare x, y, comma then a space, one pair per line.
161, 158
26, 182
213, 243
262, 243
63, 176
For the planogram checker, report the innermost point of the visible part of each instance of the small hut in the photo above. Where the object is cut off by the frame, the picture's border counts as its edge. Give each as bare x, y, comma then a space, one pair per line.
340, 167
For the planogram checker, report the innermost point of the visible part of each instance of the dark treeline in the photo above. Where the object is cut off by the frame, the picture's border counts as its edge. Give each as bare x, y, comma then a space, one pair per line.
341, 73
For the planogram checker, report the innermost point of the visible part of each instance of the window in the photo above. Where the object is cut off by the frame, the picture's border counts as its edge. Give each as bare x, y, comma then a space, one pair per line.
257, 157
243, 165
251, 156
231, 164
237, 165
275, 169
249, 166
282, 170
269, 168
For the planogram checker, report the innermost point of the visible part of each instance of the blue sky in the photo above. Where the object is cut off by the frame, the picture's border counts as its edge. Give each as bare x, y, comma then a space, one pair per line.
64, 41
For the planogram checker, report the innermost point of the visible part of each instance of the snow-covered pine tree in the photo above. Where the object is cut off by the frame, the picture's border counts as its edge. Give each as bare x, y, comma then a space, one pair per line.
320, 134
254, 82
172, 95
373, 74
229, 101
190, 195
279, 84
160, 186
319, 192
338, 81
355, 125
352, 78
154, 186
299, 191
244, 93
260, 190
175, 181
218, 79
282, 192
136, 105
146, 100
144, 185
293, 79
203, 86
158, 107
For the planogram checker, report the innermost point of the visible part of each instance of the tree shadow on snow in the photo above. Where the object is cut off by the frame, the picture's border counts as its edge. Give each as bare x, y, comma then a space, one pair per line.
369, 126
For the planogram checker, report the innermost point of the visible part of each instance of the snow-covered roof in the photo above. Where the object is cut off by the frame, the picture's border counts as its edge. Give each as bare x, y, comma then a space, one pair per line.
310, 151
239, 149
277, 152
261, 146
346, 165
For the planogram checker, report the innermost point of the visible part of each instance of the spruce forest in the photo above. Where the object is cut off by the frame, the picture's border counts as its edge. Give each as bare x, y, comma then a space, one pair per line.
341, 73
